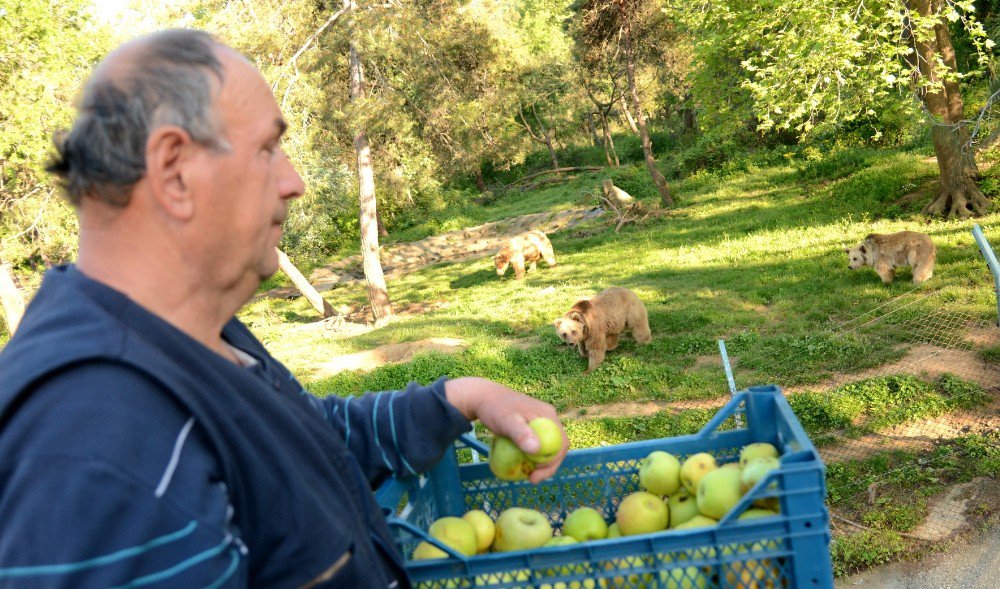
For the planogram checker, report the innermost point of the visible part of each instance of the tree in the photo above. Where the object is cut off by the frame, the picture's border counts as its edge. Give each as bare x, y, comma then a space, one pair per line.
603, 25
811, 67
378, 293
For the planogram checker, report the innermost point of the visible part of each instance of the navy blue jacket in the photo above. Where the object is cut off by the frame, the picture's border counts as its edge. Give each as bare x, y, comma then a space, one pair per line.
131, 455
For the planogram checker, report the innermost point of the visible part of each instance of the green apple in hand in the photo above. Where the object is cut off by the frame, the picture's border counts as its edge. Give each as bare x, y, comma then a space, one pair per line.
550, 439
719, 491
695, 467
683, 507
519, 528
585, 523
642, 512
507, 461
660, 473
757, 450
484, 526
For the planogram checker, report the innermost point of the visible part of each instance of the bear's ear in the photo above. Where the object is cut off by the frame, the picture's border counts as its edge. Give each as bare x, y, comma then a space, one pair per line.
576, 316
557, 322
847, 250
862, 249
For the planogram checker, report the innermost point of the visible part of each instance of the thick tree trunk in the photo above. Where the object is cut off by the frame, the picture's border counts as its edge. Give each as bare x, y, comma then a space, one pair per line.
382, 231
11, 299
647, 145
481, 182
378, 293
959, 195
550, 143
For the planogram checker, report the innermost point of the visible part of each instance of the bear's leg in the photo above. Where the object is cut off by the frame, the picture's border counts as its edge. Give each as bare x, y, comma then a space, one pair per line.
582, 348
639, 324
595, 355
612, 341
885, 272
533, 266
550, 259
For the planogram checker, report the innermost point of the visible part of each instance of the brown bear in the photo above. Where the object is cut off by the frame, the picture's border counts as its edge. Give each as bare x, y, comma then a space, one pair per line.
594, 324
886, 252
529, 247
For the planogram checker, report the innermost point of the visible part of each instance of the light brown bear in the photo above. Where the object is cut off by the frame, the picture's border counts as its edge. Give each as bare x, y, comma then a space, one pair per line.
887, 252
594, 324
528, 247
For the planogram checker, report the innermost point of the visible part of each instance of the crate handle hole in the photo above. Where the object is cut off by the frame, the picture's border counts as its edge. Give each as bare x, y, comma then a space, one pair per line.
809, 524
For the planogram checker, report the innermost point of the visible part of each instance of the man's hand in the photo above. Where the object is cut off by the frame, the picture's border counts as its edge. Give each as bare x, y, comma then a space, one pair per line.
506, 412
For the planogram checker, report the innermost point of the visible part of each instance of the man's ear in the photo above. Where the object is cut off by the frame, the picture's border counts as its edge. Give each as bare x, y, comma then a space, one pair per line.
168, 157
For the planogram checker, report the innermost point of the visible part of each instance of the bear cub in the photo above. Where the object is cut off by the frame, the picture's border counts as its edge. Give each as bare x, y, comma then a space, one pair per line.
595, 324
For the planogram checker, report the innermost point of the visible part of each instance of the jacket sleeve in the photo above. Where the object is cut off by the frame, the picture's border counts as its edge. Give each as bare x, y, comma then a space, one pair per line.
395, 432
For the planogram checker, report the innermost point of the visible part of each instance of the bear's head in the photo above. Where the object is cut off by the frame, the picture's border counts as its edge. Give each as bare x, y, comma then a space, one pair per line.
571, 328
856, 256
502, 260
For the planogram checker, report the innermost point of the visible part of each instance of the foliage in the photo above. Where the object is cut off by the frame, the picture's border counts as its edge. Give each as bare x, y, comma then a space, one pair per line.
48, 49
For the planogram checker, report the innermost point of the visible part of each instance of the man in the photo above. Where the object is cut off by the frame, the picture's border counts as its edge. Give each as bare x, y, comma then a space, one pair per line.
147, 439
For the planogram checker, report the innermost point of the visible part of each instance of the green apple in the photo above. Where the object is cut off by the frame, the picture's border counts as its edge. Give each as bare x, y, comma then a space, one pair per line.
683, 507
695, 467
614, 531
585, 523
519, 528
698, 521
456, 533
756, 469
749, 572
660, 473
757, 450
719, 491
484, 526
507, 461
428, 551
683, 578
550, 439
642, 512
753, 513
561, 541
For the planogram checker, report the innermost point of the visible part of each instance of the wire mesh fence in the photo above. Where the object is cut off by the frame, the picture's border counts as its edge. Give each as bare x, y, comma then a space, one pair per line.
903, 403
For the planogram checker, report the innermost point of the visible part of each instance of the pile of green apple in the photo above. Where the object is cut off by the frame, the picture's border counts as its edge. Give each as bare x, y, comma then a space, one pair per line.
675, 495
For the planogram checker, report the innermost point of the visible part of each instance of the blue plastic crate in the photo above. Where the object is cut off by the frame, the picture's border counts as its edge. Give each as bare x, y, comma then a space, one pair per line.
786, 551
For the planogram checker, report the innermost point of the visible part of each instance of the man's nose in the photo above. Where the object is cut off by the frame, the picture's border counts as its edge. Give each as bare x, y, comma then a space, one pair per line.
290, 183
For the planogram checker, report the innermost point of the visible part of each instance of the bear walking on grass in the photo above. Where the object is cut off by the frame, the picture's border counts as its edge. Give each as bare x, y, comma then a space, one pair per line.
886, 252
595, 324
528, 247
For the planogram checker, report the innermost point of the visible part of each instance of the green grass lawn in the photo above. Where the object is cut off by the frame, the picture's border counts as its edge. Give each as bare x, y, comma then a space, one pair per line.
753, 256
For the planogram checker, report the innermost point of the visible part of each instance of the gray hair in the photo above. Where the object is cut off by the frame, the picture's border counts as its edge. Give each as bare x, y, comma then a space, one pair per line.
167, 83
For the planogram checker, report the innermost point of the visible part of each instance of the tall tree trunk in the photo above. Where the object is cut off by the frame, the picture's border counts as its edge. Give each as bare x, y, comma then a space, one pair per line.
609, 143
378, 294
628, 115
647, 145
550, 143
592, 129
11, 299
382, 231
959, 196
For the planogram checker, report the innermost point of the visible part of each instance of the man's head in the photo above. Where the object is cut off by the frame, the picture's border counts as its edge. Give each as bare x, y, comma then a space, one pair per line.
165, 78
177, 146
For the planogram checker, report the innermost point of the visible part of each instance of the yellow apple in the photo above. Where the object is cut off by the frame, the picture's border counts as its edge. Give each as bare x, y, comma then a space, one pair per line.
428, 551
683, 578
507, 461
484, 526
549, 439
642, 512
718, 492
698, 521
585, 523
518, 528
756, 469
614, 531
660, 473
695, 467
756, 512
